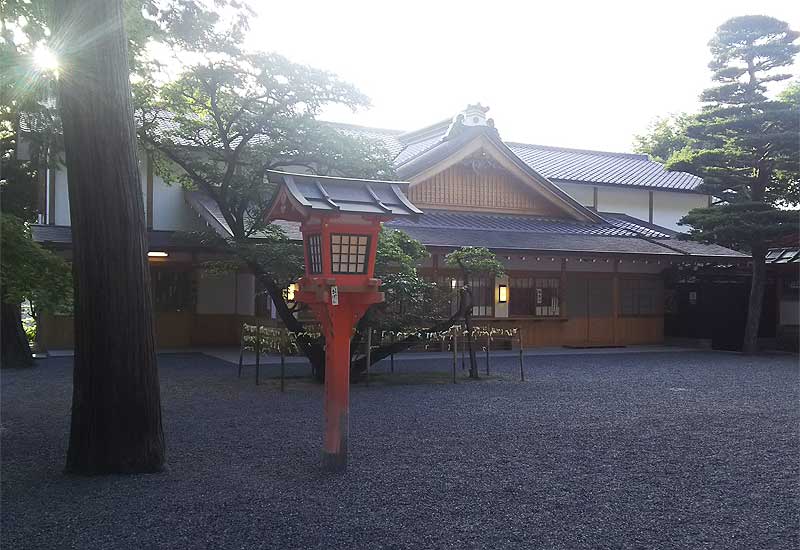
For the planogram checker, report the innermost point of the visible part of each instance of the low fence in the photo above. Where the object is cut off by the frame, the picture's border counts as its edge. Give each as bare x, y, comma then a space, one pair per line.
282, 342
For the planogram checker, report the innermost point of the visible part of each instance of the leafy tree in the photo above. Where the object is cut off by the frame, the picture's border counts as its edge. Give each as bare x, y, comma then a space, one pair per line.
472, 262
30, 273
745, 146
116, 408
221, 125
411, 302
664, 137
25, 88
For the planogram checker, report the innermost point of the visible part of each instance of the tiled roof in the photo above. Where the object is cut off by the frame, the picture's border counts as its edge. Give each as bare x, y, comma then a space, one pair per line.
577, 165
619, 234
450, 220
783, 256
61, 235
208, 209
558, 164
333, 194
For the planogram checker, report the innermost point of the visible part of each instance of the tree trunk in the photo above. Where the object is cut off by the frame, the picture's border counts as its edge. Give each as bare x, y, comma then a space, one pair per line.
358, 366
116, 406
312, 348
466, 299
756, 302
15, 349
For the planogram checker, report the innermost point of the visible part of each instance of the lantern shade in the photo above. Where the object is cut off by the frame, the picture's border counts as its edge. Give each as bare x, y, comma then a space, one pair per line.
502, 294
302, 197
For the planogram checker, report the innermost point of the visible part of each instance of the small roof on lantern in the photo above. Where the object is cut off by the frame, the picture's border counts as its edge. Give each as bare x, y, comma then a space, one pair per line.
302, 195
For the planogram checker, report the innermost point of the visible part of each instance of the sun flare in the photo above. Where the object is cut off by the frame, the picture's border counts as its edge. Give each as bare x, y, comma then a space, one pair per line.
45, 59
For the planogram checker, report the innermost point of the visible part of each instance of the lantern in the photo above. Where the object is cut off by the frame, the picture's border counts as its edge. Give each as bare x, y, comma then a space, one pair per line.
339, 219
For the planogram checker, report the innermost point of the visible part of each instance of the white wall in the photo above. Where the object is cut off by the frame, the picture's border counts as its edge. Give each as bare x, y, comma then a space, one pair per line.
61, 198
582, 193
225, 293
216, 293
170, 211
669, 207
634, 202
246, 292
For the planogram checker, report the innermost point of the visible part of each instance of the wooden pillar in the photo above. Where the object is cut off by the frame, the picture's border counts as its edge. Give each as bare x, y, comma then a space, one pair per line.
562, 294
337, 388
615, 290
650, 207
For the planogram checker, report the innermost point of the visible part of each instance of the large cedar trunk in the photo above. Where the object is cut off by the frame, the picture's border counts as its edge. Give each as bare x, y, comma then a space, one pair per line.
116, 406
756, 302
14, 343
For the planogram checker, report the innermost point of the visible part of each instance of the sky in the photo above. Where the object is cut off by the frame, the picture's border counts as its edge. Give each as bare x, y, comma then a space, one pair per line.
565, 73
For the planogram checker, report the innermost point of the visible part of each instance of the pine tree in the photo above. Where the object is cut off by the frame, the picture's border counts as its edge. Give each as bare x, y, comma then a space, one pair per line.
744, 145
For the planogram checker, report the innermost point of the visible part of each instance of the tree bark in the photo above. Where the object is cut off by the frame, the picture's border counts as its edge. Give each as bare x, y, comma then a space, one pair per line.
358, 366
466, 299
756, 302
116, 406
15, 349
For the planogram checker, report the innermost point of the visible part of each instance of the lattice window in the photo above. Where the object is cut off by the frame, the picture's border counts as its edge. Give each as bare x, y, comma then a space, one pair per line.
172, 289
349, 253
537, 296
639, 297
314, 254
482, 296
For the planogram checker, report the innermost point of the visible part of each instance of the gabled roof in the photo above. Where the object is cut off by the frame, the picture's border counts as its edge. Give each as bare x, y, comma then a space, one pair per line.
558, 164
484, 139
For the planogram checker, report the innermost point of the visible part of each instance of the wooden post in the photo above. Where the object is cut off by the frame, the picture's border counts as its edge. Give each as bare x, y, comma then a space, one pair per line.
521, 362
463, 364
241, 351
488, 345
455, 353
369, 351
283, 366
391, 357
615, 298
258, 355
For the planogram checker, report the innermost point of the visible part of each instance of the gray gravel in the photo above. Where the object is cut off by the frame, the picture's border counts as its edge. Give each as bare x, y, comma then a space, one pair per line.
683, 450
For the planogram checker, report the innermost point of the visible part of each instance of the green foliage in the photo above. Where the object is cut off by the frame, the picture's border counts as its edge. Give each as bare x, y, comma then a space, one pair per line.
30, 272
742, 143
739, 225
664, 137
29, 326
475, 260
410, 301
223, 122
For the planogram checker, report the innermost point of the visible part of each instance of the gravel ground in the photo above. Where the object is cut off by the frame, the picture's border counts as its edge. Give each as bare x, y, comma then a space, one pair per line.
683, 450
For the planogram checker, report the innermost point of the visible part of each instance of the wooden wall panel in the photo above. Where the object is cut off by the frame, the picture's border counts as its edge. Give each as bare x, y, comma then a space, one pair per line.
641, 330
462, 188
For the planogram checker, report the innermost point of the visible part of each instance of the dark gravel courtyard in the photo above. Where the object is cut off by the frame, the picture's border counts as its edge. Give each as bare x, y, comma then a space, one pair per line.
651, 450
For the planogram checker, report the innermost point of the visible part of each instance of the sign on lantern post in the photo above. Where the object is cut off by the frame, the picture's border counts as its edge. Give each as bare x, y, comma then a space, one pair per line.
340, 219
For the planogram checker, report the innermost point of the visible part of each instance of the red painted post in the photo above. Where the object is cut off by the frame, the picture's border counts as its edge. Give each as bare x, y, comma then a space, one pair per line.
337, 389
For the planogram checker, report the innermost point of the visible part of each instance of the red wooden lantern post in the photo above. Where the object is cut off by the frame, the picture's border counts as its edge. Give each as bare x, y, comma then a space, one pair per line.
340, 219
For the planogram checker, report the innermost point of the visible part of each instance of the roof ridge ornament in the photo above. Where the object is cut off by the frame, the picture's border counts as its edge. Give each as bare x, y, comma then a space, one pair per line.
473, 115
